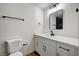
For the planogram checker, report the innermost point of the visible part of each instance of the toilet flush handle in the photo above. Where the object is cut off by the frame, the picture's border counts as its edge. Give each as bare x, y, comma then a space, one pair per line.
25, 44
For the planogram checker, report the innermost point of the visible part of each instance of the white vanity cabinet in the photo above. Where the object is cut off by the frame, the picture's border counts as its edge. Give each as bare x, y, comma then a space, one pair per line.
50, 47
45, 47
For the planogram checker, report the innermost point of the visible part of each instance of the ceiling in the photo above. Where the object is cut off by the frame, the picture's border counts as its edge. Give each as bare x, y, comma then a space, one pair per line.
42, 5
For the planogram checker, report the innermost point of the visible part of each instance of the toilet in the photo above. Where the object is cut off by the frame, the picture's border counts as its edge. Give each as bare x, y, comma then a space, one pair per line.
13, 47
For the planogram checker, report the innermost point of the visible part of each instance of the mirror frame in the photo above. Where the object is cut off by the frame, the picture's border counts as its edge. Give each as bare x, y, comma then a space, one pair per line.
50, 19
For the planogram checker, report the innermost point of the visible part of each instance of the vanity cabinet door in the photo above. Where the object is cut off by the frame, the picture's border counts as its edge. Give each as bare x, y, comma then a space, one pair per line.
50, 47
39, 46
50, 50
45, 47
36, 44
42, 48
64, 50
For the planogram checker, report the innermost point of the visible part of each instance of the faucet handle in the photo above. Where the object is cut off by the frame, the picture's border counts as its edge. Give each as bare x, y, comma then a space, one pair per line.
52, 33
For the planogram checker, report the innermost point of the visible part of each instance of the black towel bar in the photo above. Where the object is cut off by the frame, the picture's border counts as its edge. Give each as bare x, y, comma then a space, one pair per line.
12, 17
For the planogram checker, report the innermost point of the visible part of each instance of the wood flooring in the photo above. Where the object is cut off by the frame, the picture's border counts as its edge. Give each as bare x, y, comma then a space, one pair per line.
33, 54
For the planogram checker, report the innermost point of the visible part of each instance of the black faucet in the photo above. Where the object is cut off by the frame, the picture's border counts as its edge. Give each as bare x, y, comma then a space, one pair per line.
52, 34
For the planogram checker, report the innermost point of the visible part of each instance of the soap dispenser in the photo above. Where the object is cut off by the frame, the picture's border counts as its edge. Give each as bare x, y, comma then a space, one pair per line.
51, 33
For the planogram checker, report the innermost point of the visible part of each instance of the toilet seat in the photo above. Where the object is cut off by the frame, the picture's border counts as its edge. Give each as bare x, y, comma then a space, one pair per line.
16, 54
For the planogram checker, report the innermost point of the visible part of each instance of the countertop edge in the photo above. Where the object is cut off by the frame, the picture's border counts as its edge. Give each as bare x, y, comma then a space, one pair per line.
77, 46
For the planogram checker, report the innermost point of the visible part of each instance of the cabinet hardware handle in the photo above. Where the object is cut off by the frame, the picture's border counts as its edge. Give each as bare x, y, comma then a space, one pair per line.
64, 48
25, 44
45, 48
37, 43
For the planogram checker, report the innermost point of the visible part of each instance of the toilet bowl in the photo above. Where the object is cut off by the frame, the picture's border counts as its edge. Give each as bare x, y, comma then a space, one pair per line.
13, 47
18, 53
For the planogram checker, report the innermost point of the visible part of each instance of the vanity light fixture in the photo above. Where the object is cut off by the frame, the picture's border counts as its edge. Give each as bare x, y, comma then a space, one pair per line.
50, 6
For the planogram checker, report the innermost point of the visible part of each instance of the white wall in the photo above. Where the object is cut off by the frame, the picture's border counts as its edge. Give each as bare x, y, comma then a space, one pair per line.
11, 28
70, 20
39, 20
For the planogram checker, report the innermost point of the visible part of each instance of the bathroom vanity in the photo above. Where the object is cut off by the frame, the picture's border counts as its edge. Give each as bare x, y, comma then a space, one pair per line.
47, 45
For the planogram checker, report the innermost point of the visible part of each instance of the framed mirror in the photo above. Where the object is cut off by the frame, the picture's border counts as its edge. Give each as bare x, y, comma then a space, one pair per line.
56, 20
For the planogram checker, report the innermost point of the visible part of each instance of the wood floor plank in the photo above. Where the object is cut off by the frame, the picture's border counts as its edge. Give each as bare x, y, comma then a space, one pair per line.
34, 54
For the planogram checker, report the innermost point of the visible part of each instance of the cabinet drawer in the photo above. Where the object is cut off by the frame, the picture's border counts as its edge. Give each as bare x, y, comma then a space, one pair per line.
63, 49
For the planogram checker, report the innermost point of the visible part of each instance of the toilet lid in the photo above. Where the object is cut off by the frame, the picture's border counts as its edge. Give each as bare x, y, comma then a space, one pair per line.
16, 54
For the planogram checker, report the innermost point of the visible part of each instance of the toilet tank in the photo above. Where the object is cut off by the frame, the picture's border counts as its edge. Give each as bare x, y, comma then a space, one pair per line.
13, 45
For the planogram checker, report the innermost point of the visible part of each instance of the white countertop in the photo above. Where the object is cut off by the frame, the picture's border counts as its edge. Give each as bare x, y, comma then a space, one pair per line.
63, 39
